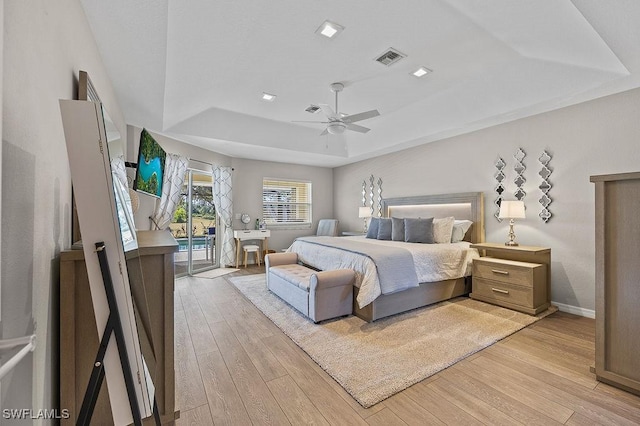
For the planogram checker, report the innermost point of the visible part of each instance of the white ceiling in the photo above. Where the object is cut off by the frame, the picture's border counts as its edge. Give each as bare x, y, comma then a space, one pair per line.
196, 70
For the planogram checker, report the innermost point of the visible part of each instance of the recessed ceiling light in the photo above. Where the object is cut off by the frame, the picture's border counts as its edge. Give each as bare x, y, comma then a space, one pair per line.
268, 97
420, 72
329, 29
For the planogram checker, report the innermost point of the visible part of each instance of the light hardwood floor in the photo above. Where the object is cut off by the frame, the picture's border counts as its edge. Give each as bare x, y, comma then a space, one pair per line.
233, 366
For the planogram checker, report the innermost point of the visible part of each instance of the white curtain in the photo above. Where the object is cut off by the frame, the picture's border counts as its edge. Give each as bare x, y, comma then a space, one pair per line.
175, 166
223, 200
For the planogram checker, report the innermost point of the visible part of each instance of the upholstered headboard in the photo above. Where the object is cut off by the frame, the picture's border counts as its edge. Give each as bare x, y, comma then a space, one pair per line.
466, 205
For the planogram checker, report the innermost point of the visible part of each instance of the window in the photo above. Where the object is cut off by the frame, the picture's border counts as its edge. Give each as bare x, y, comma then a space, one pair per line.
286, 202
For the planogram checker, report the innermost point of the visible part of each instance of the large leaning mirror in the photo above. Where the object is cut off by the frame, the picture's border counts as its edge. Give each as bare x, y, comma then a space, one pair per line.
132, 268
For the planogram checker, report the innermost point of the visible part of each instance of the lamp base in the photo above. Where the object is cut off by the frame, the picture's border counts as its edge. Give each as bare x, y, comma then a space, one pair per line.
512, 236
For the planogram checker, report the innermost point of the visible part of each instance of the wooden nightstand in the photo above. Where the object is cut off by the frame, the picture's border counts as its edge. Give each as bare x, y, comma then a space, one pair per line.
514, 277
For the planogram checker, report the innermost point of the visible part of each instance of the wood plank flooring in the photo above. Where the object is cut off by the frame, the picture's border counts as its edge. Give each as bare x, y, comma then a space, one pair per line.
233, 366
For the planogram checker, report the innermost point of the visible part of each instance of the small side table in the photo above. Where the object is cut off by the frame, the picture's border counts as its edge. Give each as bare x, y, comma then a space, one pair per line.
517, 277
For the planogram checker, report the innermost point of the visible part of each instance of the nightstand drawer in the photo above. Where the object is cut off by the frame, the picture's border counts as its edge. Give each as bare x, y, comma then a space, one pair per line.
493, 290
508, 271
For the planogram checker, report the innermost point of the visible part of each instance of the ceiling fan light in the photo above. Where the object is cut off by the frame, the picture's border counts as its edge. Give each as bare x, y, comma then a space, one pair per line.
336, 128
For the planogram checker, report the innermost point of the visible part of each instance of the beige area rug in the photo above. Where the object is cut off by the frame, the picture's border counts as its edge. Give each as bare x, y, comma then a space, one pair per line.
215, 273
373, 361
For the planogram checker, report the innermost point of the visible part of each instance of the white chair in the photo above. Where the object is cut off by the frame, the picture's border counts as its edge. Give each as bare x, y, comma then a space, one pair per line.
251, 248
328, 227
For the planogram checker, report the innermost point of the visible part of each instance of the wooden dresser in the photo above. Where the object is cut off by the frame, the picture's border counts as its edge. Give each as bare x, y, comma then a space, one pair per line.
153, 298
515, 277
617, 231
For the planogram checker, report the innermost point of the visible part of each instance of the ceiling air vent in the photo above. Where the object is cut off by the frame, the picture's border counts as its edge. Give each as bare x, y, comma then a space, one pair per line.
312, 109
391, 56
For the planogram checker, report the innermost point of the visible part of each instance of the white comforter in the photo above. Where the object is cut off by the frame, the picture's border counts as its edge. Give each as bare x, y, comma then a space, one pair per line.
433, 262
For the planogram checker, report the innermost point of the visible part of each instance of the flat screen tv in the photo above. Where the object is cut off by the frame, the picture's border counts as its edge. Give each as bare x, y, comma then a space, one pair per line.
150, 169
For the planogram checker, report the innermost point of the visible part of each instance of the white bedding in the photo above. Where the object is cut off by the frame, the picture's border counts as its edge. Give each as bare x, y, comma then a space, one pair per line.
433, 262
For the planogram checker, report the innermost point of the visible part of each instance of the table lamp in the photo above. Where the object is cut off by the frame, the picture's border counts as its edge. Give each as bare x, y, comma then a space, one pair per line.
511, 210
364, 212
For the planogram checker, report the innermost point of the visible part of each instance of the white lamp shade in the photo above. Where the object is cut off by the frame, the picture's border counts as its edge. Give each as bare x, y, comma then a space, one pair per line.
511, 210
364, 211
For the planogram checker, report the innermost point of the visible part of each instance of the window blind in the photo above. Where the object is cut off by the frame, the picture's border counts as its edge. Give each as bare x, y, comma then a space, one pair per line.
286, 202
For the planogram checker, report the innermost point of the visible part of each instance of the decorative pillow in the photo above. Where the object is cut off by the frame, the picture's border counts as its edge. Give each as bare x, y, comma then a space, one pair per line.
418, 230
442, 229
397, 229
460, 228
384, 228
372, 232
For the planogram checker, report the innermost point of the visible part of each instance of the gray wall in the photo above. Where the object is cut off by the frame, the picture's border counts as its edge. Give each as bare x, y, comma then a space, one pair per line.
597, 137
247, 194
45, 45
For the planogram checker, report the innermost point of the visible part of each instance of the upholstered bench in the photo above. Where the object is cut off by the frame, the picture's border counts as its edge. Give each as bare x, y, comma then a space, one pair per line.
318, 295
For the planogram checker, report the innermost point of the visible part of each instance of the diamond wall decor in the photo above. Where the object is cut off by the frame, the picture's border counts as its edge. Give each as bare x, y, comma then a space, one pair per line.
379, 197
545, 186
519, 180
371, 180
369, 189
499, 176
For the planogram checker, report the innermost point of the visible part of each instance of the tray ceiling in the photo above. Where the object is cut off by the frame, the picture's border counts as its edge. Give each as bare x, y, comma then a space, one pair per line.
196, 70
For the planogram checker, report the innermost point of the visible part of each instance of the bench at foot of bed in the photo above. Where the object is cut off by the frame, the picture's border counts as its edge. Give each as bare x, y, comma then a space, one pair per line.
318, 295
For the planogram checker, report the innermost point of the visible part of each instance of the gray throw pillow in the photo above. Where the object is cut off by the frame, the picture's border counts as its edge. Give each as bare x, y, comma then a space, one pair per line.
372, 232
384, 228
397, 229
418, 230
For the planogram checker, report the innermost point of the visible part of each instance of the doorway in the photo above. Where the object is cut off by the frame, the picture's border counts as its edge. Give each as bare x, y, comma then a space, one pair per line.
194, 225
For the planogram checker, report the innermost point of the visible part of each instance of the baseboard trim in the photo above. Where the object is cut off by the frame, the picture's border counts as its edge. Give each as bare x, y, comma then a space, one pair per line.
576, 310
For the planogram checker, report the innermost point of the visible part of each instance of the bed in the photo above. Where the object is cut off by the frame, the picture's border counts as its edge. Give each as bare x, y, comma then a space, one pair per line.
430, 287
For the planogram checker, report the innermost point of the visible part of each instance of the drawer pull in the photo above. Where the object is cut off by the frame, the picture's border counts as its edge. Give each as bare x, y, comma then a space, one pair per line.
499, 290
498, 271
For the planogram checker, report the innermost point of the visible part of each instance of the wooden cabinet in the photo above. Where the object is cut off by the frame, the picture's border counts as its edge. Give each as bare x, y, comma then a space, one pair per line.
151, 276
617, 232
513, 277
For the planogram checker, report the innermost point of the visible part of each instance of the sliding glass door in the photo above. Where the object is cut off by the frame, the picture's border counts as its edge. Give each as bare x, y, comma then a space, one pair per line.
194, 225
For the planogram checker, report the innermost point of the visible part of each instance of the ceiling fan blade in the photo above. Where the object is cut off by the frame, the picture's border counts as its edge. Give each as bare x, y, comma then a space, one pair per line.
357, 128
361, 116
325, 132
328, 111
314, 122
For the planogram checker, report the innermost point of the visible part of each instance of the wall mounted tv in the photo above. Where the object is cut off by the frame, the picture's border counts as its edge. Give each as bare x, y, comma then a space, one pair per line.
150, 169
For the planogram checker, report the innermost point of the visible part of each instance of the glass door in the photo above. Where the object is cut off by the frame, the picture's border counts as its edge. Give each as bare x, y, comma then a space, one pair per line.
194, 225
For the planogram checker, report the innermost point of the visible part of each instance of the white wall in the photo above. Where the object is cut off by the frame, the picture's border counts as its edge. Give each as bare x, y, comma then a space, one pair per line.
597, 137
247, 194
45, 45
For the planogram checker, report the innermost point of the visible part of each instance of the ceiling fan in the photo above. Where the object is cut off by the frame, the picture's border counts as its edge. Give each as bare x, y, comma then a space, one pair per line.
337, 123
